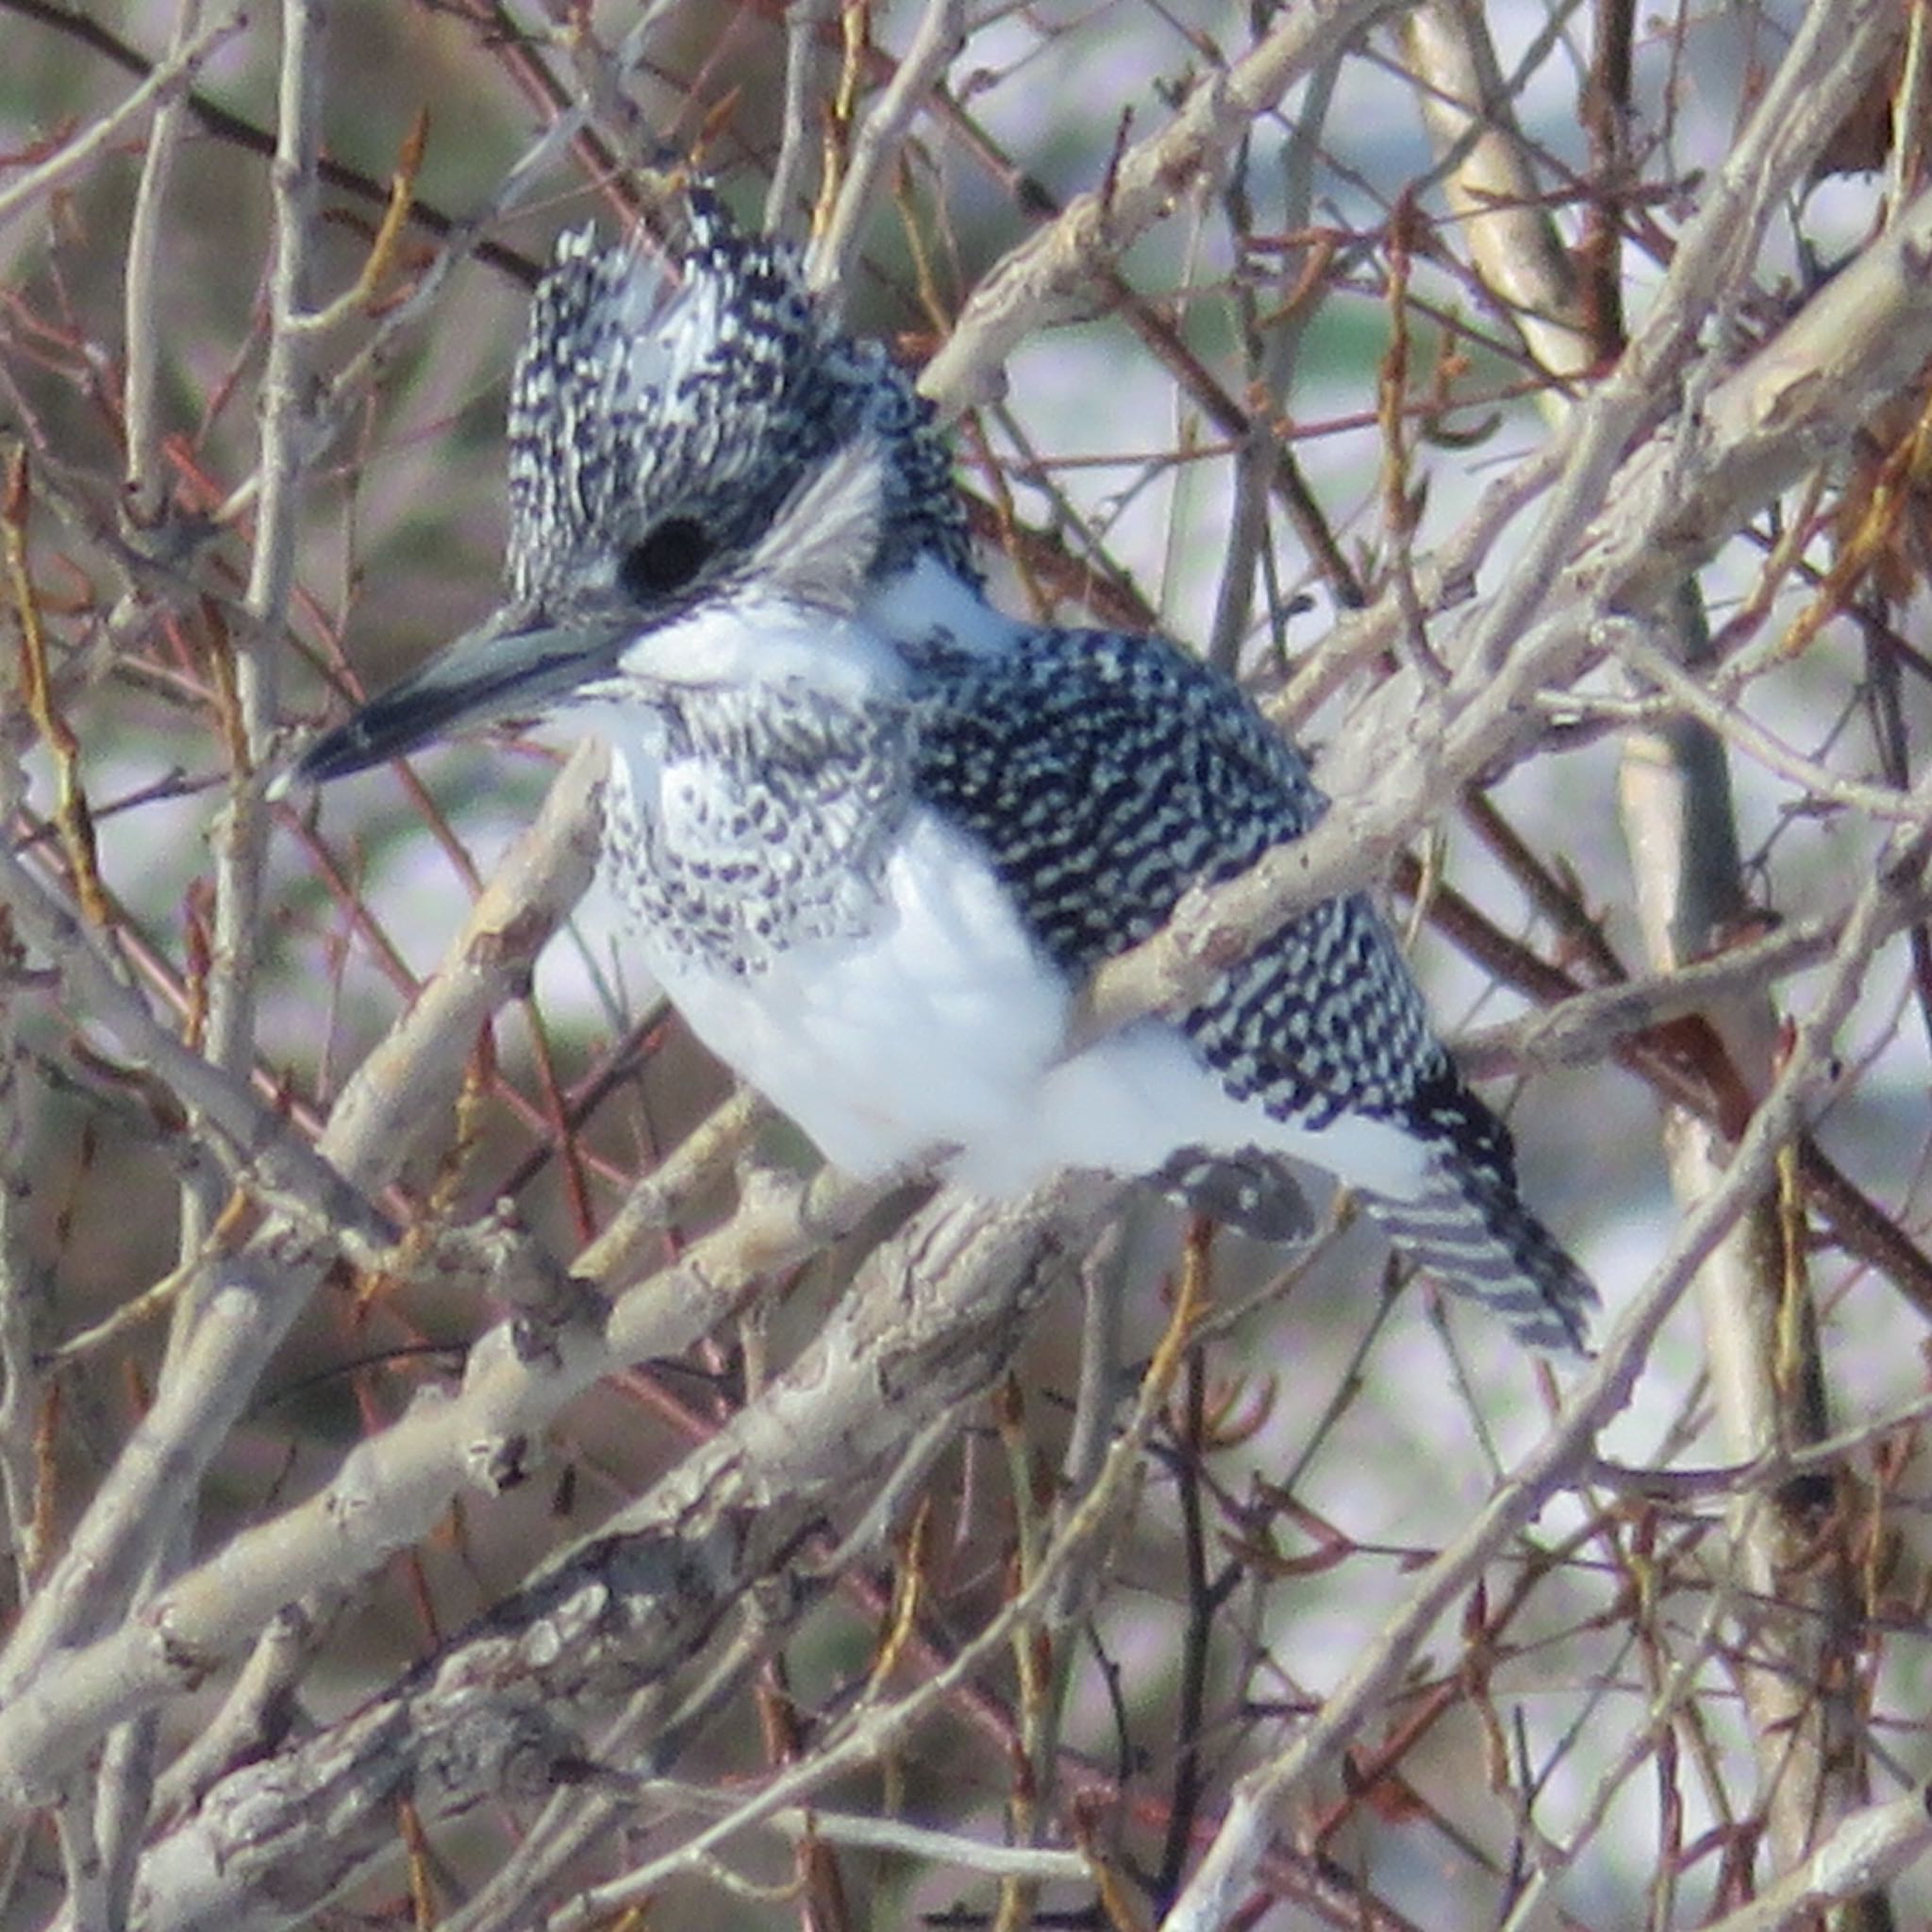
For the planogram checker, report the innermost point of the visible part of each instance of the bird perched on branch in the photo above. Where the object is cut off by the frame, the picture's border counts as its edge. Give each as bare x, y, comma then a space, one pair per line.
875, 836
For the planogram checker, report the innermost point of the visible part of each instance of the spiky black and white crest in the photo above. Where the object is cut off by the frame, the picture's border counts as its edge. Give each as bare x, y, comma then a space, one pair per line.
710, 387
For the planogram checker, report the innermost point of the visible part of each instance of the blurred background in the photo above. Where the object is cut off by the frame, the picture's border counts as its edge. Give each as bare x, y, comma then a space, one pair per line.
1270, 407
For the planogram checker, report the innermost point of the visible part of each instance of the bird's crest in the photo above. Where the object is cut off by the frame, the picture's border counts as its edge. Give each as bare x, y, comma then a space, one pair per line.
711, 385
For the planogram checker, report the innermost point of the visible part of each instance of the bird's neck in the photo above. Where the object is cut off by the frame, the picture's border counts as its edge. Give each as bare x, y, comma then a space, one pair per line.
929, 606
761, 784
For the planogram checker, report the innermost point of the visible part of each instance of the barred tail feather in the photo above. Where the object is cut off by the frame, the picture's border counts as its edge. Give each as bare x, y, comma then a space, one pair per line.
1469, 1229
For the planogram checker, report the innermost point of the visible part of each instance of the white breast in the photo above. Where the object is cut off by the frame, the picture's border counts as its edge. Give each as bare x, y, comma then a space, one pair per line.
926, 1031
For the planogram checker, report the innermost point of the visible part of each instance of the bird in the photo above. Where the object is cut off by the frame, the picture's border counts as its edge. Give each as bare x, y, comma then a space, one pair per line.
873, 837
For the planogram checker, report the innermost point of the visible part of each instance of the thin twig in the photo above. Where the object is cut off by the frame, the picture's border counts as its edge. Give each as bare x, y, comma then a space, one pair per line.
167, 80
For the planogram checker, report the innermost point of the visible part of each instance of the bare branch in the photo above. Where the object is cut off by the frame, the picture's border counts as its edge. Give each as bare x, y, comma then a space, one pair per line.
1042, 281
935, 45
263, 1289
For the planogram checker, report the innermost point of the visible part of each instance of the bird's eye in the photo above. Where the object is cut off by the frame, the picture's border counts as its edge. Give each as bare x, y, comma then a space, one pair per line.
665, 559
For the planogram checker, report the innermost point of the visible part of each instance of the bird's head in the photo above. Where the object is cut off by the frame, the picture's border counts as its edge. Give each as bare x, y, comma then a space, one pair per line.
686, 438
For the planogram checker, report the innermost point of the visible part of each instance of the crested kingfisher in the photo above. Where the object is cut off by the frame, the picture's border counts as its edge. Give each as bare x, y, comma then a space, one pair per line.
875, 835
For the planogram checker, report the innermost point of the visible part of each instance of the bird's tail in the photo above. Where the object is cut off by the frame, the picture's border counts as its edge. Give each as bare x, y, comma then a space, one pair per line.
1469, 1228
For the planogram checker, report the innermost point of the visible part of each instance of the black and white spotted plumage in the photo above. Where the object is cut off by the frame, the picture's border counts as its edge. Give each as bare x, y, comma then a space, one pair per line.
875, 835
1108, 774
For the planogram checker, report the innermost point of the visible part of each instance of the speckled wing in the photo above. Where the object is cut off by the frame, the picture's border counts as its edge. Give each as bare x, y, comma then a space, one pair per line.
1105, 776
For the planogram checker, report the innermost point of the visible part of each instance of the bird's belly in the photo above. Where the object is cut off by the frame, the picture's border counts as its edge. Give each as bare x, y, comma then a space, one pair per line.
934, 1028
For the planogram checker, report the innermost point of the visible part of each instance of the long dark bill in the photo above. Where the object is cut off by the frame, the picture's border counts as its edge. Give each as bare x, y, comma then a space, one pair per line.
506, 668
